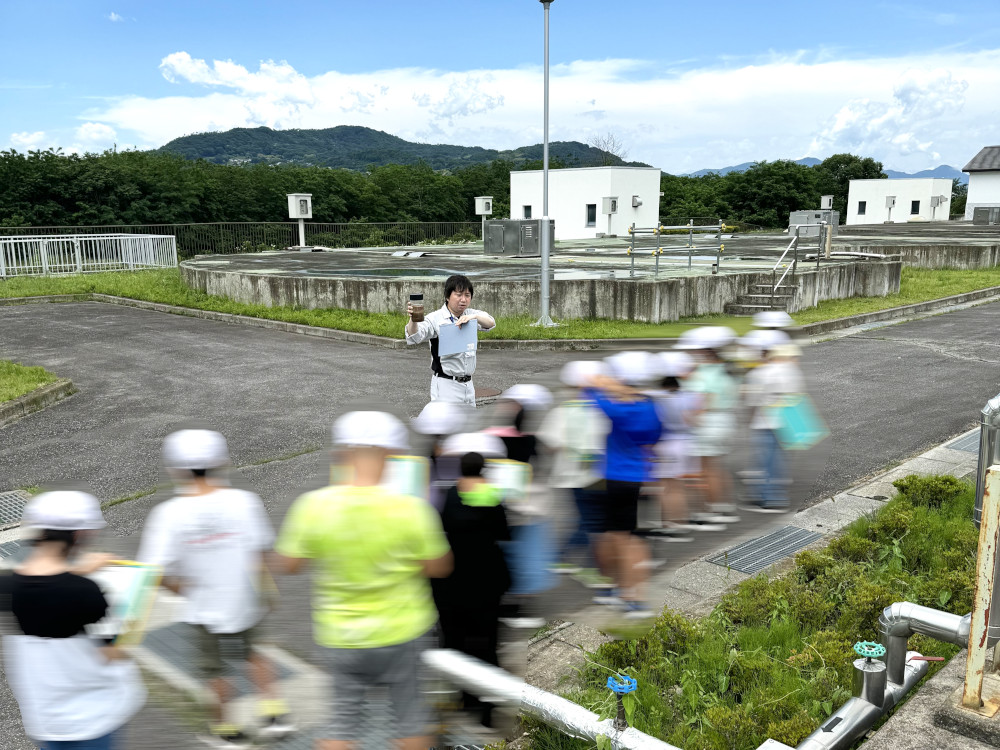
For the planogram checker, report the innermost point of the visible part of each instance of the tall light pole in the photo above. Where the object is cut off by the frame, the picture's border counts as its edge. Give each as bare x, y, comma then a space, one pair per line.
544, 319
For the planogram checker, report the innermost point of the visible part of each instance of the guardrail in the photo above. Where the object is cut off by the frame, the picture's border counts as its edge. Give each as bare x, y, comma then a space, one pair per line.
58, 254
227, 237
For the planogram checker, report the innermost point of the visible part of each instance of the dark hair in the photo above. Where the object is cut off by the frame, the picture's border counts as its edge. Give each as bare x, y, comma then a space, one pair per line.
670, 383
201, 473
457, 283
57, 535
472, 464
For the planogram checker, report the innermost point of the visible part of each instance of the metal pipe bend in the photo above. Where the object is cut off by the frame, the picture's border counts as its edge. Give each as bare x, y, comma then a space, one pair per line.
903, 619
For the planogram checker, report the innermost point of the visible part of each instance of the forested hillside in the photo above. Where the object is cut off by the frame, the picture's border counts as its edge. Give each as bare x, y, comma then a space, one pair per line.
355, 147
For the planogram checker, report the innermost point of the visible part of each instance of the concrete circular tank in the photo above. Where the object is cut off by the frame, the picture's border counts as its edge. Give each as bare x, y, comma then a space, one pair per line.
597, 281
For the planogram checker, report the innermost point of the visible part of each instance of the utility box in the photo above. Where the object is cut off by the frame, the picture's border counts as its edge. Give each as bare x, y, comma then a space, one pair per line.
986, 215
609, 205
812, 220
516, 238
484, 205
300, 205
826, 202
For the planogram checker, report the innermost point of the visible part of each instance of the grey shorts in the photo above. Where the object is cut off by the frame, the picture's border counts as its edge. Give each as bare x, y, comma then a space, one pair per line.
211, 645
398, 670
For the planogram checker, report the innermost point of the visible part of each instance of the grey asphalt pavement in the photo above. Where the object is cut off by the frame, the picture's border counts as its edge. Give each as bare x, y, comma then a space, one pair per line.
887, 394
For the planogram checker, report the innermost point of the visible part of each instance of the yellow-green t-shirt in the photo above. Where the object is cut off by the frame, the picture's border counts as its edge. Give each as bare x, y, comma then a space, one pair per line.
367, 543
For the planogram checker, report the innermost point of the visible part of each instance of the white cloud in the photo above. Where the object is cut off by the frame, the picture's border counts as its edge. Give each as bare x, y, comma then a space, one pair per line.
96, 133
25, 141
910, 112
115, 18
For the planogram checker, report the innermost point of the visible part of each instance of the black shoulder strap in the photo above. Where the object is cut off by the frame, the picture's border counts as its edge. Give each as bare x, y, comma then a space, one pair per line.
435, 359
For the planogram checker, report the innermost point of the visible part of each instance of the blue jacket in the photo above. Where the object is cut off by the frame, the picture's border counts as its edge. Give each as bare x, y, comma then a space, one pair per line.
635, 429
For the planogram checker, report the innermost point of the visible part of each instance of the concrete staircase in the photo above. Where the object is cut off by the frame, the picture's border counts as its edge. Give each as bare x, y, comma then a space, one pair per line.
760, 299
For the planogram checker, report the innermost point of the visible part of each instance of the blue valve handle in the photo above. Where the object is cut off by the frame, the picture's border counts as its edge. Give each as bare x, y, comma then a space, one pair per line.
869, 649
626, 685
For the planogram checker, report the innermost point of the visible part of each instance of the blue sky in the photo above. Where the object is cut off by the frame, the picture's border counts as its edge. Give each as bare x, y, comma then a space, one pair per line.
684, 85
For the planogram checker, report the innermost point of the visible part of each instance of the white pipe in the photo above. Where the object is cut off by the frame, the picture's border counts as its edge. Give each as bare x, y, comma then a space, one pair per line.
502, 688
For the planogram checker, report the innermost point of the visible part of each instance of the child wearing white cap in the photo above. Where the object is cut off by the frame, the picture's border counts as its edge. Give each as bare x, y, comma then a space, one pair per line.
73, 690
211, 539
372, 552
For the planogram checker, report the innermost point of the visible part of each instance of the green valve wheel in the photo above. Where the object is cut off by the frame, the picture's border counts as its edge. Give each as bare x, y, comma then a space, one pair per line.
869, 649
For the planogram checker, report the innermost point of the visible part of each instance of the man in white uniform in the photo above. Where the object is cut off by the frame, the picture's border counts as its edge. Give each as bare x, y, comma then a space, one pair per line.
451, 378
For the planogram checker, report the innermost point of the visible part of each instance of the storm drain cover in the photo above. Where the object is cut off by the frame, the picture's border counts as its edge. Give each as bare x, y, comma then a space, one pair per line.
11, 507
9, 549
968, 443
757, 554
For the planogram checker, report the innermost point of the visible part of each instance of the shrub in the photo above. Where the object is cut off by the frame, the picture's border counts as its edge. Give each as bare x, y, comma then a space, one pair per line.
864, 604
811, 563
853, 548
792, 731
932, 491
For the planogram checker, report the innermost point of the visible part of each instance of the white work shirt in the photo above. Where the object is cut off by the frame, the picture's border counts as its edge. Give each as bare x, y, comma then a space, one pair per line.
213, 543
456, 365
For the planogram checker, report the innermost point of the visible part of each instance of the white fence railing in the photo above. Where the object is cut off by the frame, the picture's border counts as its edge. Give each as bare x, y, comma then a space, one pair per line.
53, 254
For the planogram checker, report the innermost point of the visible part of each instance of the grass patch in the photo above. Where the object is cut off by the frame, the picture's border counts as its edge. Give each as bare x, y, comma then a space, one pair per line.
165, 286
916, 285
773, 660
17, 380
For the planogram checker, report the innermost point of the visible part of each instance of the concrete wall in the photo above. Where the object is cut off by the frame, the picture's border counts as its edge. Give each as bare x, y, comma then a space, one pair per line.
984, 190
570, 190
939, 256
643, 300
874, 193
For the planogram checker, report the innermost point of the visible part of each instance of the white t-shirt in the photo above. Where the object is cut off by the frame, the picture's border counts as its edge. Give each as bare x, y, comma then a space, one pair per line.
578, 432
765, 386
67, 689
213, 543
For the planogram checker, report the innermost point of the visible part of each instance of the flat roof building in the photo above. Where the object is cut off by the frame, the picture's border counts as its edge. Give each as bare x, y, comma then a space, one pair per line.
911, 199
587, 202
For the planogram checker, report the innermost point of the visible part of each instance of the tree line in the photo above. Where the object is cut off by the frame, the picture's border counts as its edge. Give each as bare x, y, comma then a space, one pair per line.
50, 188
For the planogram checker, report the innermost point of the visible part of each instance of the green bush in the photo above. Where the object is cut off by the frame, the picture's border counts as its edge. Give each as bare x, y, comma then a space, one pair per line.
930, 491
774, 658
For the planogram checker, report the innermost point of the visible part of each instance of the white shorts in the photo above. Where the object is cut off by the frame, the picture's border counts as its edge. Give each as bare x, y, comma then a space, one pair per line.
674, 458
443, 389
713, 434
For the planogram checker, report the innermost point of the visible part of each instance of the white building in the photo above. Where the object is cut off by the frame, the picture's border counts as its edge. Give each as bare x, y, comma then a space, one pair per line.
984, 180
916, 199
588, 201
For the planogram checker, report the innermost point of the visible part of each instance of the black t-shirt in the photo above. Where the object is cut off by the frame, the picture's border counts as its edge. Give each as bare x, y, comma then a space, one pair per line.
57, 606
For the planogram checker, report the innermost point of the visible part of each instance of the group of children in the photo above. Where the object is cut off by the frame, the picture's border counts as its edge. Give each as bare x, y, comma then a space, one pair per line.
394, 573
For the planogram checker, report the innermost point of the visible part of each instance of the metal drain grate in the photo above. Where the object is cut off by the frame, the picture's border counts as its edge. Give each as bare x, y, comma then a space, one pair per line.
9, 549
968, 443
757, 554
12, 506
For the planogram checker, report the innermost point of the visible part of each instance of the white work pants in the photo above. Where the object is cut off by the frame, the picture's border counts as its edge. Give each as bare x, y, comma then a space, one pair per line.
452, 391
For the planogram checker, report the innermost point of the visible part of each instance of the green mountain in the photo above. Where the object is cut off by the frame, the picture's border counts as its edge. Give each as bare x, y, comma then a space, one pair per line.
355, 147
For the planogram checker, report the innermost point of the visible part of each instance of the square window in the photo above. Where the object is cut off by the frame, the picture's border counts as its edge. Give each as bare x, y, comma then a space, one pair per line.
526, 211
591, 214
914, 207
862, 207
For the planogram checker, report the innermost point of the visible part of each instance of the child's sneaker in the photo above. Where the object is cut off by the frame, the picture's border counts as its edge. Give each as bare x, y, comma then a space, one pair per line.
564, 568
222, 736
611, 597
275, 719
592, 579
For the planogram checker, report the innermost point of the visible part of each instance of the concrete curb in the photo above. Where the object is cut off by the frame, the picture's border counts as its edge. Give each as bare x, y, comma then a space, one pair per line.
38, 399
810, 329
896, 313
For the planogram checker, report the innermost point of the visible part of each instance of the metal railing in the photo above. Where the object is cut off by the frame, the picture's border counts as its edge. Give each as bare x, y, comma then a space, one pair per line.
226, 237
793, 247
56, 254
659, 231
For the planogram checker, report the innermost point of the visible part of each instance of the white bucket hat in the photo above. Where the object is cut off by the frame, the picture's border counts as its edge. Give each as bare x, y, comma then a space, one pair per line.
773, 319
674, 364
65, 510
579, 372
529, 395
488, 446
440, 418
195, 449
374, 429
